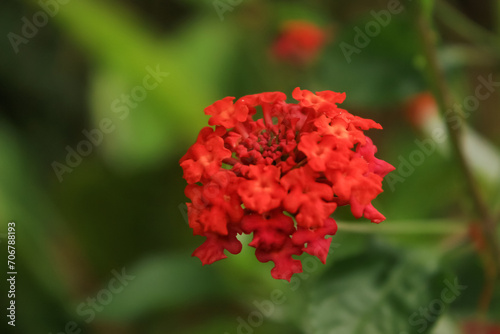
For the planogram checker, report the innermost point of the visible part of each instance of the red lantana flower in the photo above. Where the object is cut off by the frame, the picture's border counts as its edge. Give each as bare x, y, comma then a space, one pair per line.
280, 176
299, 42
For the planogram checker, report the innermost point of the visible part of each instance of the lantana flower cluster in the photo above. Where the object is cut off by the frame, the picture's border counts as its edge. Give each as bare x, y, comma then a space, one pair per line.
278, 171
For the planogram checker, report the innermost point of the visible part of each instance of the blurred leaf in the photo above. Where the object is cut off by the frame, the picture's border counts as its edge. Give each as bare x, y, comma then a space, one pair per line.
165, 282
482, 156
218, 325
22, 201
139, 137
467, 265
312, 12
173, 111
382, 72
446, 325
415, 179
484, 159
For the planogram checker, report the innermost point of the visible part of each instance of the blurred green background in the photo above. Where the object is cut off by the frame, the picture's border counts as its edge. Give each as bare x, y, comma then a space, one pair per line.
120, 208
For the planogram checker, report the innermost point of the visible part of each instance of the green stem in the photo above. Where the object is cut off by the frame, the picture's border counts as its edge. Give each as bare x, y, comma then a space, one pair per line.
496, 10
439, 226
442, 93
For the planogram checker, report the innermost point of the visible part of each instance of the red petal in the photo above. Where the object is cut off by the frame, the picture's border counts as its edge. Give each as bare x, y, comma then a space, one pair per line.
213, 248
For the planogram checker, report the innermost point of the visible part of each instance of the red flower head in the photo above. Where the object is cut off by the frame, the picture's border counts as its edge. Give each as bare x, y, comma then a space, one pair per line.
279, 177
299, 42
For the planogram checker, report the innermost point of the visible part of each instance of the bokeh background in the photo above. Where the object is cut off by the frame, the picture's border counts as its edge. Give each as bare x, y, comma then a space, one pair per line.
120, 207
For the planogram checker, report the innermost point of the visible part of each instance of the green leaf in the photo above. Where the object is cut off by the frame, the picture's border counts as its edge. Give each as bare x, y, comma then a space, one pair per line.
123, 48
467, 265
376, 292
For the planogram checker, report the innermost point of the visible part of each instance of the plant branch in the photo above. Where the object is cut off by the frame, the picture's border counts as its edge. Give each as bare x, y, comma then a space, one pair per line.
496, 11
436, 227
445, 102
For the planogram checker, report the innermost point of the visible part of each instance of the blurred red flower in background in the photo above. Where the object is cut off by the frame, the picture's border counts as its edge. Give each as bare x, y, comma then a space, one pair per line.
299, 42
279, 170
420, 108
